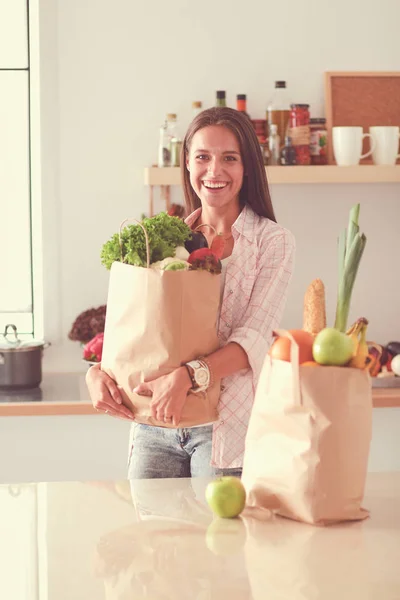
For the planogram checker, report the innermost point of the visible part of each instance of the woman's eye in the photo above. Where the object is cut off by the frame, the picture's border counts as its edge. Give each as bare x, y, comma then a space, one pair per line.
230, 158
202, 156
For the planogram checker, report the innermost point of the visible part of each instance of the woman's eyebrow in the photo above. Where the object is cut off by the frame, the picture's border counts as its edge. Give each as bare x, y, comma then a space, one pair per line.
225, 151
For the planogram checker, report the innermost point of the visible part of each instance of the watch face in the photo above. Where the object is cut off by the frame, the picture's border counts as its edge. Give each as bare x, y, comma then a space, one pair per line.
201, 377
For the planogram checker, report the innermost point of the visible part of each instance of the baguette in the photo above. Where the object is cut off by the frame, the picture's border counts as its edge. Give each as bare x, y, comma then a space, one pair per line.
314, 311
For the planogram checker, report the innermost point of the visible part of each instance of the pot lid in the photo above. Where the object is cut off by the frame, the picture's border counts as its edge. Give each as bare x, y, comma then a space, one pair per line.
9, 341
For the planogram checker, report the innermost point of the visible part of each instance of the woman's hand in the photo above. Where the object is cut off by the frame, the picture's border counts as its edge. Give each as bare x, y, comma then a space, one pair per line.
105, 394
168, 393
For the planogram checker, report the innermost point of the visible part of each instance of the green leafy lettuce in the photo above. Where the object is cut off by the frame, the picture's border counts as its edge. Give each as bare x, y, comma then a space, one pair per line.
165, 233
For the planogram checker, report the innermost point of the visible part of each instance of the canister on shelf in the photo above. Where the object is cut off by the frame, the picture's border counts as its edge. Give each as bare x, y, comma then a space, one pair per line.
164, 153
318, 142
300, 132
175, 146
169, 132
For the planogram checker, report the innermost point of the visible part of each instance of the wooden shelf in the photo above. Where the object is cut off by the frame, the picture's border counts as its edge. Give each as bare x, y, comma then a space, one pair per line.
288, 175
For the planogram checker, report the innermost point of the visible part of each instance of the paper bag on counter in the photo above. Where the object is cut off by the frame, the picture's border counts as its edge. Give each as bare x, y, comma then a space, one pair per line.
308, 440
157, 320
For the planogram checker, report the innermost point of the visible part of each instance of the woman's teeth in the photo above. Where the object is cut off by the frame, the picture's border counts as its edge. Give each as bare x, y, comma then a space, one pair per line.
214, 185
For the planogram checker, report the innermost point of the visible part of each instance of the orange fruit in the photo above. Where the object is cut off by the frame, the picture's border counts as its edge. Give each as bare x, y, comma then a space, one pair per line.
310, 363
280, 349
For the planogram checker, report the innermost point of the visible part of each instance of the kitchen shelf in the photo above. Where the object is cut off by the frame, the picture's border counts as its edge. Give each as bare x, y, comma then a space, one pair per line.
168, 176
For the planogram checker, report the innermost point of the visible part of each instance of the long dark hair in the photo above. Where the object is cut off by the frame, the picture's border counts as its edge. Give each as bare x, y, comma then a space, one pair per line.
254, 191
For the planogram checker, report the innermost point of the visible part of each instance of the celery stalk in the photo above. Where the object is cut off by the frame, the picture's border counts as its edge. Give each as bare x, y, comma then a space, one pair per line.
351, 248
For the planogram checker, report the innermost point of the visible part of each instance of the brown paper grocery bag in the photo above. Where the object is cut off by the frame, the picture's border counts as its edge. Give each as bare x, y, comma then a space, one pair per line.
157, 320
308, 440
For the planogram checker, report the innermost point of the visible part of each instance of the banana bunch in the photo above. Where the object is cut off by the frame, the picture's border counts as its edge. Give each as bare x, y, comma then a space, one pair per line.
358, 334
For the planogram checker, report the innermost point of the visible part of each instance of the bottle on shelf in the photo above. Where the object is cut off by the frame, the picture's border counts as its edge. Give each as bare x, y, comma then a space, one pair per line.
274, 144
220, 98
288, 154
197, 108
241, 104
169, 143
278, 110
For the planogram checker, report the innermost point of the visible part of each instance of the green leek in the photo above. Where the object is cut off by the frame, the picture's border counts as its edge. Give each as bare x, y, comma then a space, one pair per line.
351, 246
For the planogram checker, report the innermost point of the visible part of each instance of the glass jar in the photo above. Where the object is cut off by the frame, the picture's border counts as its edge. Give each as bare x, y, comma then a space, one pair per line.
168, 156
274, 142
300, 132
176, 146
197, 107
164, 152
318, 142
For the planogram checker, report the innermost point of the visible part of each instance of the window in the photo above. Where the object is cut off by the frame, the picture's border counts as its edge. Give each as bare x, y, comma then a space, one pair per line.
16, 296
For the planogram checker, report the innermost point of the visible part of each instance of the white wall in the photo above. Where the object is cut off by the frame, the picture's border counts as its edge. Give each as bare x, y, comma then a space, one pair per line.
110, 72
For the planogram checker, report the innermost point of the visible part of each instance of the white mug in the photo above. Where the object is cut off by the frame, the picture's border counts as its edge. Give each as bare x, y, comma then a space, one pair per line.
386, 144
347, 145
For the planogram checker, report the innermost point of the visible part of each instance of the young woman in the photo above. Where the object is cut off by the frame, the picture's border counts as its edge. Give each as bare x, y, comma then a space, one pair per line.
225, 186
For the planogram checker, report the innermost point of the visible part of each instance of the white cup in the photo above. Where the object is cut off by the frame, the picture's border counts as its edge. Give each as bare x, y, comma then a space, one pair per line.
347, 145
386, 144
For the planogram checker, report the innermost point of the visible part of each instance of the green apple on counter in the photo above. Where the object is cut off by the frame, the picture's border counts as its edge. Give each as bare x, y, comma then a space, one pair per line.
226, 496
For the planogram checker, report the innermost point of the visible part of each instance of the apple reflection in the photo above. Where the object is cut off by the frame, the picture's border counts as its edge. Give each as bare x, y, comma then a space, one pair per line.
175, 548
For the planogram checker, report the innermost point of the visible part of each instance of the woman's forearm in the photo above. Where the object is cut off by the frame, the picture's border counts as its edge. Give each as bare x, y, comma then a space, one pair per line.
227, 360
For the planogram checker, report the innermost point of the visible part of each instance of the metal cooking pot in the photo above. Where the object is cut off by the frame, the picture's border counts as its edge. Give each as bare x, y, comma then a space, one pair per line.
20, 362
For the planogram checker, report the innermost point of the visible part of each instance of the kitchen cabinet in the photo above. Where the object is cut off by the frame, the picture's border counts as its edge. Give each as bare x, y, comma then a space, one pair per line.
57, 435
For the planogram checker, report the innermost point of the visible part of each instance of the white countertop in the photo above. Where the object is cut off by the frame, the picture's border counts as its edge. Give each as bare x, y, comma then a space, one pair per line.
76, 541
67, 394
58, 394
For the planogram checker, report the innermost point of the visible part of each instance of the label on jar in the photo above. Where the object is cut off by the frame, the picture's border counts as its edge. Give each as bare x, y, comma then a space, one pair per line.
318, 141
300, 135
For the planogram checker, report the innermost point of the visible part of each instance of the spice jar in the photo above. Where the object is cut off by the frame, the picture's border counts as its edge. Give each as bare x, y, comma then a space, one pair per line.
300, 132
318, 142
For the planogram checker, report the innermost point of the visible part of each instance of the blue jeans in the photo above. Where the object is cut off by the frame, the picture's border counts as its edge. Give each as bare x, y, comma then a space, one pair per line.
158, 452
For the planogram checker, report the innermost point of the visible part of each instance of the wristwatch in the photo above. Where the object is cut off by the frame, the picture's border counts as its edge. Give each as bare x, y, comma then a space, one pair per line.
199, 374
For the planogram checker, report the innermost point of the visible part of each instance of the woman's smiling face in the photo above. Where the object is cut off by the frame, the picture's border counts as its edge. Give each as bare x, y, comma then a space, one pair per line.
216, 167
